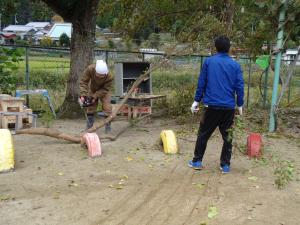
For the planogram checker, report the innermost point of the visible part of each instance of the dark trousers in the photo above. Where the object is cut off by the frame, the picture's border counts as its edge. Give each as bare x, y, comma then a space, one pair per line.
211, 119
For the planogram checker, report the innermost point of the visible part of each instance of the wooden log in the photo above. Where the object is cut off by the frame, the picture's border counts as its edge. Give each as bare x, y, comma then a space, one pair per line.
51, 133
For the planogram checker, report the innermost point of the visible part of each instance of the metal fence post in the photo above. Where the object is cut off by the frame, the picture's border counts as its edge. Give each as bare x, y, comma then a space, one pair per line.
272, 124
143, 56
265, 87
201, 61
27, 74
289, 93
249, 77
106, 56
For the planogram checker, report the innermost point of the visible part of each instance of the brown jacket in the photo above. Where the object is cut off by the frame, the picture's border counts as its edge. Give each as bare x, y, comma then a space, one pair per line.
92, 85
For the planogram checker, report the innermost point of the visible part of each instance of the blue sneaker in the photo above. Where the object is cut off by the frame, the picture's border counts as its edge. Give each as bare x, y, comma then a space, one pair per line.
195, 165
225, 169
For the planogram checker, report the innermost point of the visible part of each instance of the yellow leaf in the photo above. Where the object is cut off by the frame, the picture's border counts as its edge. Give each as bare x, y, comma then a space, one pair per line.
128, 158
253, 178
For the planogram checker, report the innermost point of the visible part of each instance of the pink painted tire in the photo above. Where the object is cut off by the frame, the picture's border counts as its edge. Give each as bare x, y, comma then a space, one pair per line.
93, 144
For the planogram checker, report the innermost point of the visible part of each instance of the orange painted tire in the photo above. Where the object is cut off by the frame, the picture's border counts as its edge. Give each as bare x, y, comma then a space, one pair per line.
93, 144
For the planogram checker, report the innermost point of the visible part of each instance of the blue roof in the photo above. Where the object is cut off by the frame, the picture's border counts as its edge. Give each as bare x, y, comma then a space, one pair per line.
59, 28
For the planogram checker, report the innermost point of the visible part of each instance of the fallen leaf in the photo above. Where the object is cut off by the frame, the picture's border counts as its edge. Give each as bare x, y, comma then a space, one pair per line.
142, 158
4, 198
200, 186
119, 187
125, 177
212, 212
60, 173
73, 184
121, 182
128, 158
253, 178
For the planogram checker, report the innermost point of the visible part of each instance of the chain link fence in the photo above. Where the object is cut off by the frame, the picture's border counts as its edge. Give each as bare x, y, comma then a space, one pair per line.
48, 68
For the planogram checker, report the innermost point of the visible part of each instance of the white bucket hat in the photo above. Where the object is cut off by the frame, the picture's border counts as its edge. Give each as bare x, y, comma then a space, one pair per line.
101, 67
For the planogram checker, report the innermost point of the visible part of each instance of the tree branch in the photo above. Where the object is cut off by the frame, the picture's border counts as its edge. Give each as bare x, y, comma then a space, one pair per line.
62, 7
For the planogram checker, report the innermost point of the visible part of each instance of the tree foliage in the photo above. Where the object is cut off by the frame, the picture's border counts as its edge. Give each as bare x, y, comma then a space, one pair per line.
249, 24
24, 11
8, 64
64, 40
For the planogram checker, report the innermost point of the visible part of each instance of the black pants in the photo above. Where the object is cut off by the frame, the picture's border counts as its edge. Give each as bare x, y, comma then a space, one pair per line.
213, 118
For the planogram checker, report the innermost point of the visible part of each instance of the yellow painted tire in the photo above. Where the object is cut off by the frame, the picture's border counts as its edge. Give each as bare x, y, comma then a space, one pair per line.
7, 161
169, 142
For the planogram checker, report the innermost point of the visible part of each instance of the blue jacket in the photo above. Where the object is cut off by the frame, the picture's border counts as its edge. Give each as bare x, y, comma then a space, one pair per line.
220, 80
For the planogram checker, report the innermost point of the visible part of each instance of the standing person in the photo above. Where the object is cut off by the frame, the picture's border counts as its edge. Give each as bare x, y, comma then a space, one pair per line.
220, 88
95, 85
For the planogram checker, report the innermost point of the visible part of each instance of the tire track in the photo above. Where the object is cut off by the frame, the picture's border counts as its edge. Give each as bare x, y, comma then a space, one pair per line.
141, 207
165, 203
209, 185
181, 198
122, 207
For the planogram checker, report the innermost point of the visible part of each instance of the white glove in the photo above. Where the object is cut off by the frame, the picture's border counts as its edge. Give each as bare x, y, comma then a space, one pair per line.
240, 109
80, 101
194, 107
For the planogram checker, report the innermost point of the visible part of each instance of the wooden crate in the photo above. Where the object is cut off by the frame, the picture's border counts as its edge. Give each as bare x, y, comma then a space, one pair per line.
139, 110
27, 119
10, 121
124, 108
11, 104
124, 111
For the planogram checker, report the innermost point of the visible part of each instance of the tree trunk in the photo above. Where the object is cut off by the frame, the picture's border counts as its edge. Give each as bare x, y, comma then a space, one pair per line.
228, 16
82, 54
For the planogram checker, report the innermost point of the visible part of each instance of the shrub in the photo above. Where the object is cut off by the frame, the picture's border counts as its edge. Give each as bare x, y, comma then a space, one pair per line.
171, 80
64, 40
180, 90
22, 42
111, 44
180, 102
46, 41
50, 79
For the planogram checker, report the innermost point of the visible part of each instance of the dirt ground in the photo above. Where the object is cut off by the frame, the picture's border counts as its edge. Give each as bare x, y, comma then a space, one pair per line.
134, 183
